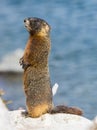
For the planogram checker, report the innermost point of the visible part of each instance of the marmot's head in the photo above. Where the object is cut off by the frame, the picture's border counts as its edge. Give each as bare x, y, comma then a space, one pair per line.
37, 26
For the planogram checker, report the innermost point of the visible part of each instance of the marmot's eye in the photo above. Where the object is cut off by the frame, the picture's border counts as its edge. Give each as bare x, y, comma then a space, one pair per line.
44, 24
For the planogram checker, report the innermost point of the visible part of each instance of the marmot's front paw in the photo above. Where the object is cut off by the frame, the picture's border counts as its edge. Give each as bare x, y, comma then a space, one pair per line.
21, 61
24, 65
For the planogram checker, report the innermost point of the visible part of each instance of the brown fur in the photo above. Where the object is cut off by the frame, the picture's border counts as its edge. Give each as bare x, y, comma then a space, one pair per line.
37, 84
66, 109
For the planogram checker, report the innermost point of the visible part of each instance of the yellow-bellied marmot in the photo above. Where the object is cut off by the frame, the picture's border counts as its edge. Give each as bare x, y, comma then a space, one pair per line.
37, 84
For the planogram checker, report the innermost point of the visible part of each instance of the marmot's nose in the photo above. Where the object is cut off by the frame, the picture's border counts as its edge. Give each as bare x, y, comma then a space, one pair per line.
24, 20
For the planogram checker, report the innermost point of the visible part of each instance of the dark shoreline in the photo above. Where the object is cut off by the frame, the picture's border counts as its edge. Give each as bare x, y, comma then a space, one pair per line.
10, 73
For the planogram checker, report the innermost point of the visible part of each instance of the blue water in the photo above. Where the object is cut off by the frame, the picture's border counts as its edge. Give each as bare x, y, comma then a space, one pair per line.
73, 59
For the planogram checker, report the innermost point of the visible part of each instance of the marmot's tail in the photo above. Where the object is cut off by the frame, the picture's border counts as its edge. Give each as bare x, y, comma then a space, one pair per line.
66, 109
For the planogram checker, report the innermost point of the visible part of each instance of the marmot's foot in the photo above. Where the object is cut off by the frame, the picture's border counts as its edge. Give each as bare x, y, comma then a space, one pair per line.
24, 65
25, 114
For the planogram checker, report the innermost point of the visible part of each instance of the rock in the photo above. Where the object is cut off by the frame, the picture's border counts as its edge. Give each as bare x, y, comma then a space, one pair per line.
94, 126
14, 120
49, 122
11, 66
5, 117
